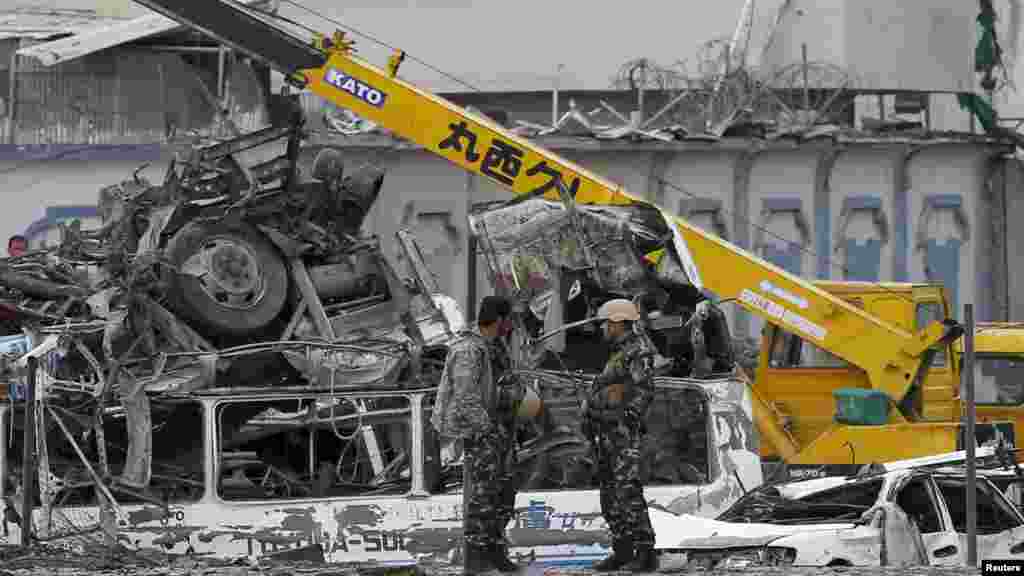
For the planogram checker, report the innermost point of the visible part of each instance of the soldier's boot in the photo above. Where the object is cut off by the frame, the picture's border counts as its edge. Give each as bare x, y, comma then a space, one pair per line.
500, 559
476, 560
645, 559
622, 555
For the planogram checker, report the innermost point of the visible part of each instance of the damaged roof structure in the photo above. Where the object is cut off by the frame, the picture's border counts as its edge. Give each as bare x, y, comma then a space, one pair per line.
42, 24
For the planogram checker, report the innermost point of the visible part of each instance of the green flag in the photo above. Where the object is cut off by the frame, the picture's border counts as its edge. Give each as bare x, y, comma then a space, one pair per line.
981, 109
985, 54
986, 57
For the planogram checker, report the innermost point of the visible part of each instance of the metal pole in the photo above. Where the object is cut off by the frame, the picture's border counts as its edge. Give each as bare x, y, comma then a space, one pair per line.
471, 278
554, 94
969, 438
807, 90
28, 449
640, 93
221, 57
471, 256
12, 90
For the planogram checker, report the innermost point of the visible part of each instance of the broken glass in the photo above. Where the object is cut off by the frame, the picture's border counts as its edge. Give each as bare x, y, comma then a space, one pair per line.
844, 503
527, 241
524, 241
307, 447
994, 513
177, 456
617, 263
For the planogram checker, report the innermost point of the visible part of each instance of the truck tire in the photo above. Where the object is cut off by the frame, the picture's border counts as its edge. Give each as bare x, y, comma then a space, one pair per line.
228, 278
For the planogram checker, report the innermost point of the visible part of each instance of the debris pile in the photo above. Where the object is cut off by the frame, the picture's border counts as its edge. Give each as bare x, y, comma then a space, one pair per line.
226, 275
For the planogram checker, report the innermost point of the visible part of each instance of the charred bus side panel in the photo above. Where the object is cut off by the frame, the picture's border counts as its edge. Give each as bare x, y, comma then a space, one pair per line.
362, 476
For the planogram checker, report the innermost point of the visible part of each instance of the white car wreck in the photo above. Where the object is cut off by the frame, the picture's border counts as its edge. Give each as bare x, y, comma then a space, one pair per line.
900, 517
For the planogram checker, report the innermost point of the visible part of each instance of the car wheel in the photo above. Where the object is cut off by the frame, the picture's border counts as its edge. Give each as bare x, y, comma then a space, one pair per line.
227, 277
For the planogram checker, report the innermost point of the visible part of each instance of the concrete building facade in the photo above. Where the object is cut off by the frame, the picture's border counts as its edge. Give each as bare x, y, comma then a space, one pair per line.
898, 210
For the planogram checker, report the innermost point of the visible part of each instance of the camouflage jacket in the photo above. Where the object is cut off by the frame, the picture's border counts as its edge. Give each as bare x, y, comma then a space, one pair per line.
501, 360
624, 388
465, 402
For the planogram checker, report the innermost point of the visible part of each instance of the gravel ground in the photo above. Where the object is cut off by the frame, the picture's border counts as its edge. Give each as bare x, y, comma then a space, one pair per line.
103, 562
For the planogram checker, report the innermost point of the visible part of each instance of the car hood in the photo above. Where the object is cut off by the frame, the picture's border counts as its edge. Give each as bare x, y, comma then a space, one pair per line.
682, 531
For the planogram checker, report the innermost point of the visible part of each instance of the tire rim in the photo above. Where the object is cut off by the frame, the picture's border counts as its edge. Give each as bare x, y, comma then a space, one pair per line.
233, 278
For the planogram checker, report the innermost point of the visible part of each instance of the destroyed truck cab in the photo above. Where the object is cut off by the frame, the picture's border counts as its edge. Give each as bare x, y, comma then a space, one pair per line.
231, 273
236, 256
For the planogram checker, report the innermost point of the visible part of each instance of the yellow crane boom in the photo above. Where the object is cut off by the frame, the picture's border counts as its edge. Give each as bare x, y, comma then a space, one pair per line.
892, 358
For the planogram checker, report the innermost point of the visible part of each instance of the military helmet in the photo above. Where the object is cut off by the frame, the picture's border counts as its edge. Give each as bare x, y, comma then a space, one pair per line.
618, 310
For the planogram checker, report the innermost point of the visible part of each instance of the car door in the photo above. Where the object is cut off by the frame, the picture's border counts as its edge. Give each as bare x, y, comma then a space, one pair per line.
917, 496
1000, 526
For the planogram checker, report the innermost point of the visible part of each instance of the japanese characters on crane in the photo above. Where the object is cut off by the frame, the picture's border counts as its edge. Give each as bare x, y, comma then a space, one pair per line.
503, 161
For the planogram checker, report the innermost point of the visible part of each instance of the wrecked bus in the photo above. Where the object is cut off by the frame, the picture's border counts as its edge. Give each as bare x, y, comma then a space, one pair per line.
284, 402
360, 476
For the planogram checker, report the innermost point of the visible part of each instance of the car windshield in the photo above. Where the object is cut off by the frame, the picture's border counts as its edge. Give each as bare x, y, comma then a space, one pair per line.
840, 504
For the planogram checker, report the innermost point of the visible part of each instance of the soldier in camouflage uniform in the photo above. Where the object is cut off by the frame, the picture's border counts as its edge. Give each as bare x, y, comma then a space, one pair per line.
615, 410
468, 408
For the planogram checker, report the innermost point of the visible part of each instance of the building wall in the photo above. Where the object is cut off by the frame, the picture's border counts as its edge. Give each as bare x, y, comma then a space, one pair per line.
947, 224
41, 185
871, 211
124, 96
863, 196
1014, 241
7, 48
878, 212
881, 45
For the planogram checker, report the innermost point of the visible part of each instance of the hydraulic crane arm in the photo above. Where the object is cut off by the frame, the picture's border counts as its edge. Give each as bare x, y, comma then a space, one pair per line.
891, 357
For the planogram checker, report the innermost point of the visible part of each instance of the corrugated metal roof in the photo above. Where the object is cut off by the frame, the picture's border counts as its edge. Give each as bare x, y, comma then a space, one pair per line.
106, 34
46, 23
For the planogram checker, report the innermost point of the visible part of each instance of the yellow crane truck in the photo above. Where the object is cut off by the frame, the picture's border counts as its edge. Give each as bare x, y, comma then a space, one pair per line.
888, 358
796, 377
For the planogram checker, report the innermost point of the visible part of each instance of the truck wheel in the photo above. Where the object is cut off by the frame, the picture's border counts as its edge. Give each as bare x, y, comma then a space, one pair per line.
229, 278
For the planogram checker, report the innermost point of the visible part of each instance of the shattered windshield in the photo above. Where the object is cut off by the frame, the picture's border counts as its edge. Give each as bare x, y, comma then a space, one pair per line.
528, 243
844, 503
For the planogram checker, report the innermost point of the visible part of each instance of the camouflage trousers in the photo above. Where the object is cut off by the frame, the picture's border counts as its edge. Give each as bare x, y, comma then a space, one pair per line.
506, 509
482, 491
622, 495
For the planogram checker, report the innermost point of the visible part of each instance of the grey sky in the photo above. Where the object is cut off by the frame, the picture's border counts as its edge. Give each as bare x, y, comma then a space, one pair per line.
500, 45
